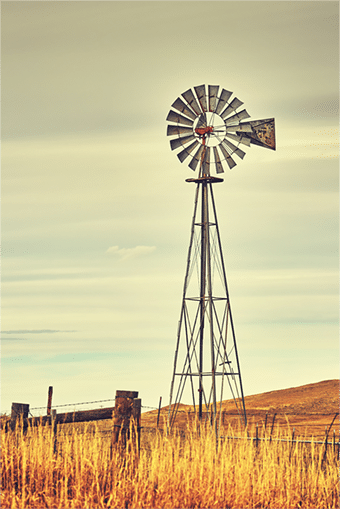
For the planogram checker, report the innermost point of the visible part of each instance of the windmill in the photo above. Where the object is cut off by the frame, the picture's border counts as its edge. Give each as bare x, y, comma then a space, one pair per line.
209, 129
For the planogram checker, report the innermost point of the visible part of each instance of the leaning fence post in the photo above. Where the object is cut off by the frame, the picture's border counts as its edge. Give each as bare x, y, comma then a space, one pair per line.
326, 437
159, 410
19, 411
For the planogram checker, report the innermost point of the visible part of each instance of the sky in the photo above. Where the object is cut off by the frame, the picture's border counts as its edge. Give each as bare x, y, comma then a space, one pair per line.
96, 212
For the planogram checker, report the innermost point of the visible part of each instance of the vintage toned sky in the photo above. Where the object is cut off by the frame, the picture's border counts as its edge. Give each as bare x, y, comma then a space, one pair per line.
95, 208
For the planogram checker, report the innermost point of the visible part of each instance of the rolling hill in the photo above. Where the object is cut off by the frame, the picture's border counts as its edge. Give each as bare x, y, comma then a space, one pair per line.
309, 409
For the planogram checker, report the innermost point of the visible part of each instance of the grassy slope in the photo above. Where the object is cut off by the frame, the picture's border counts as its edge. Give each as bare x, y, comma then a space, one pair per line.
308, 408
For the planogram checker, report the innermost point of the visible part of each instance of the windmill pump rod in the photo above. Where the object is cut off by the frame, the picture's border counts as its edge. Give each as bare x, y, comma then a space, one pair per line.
204, 232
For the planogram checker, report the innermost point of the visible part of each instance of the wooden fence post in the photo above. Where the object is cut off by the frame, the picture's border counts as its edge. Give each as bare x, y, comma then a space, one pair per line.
19, 412
265, 423
326, 437
292, 440
159, 410
49, 400
126, 408
271, 431
136, 414
54, 429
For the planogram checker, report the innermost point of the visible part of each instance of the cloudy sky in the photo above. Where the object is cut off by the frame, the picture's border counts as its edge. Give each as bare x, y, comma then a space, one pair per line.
96, 212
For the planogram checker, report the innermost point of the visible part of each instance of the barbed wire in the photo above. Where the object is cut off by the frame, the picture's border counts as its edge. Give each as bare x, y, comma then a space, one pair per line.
74, 404
84, 403
186, 411
149, 429
87, 403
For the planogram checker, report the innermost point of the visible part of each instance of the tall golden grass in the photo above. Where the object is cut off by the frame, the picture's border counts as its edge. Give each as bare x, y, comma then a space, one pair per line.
170, 472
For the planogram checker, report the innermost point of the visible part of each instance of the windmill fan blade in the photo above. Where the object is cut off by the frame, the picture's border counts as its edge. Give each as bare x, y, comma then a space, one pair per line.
212, 92
238, 116
202, 121
240, 128
263, 133
183, 108
190, 99
234, 149
219, 167
185, 152
202, 99
196, 158
241, 139
179, 119
223, 100
178, 142
228, 158
235, 103
206, 161
178, 129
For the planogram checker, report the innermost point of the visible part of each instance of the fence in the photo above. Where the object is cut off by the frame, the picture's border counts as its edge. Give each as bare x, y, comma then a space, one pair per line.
128, 408
263, 427
126, 417
315, 424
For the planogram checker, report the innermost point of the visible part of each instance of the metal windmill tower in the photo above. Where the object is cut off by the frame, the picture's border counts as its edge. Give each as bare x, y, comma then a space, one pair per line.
202, 123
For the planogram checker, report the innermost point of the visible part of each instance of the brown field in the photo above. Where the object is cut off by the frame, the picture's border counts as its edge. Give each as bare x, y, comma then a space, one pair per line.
309, 409
185, 470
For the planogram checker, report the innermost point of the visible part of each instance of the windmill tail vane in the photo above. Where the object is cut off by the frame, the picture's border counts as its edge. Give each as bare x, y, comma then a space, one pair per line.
209, 128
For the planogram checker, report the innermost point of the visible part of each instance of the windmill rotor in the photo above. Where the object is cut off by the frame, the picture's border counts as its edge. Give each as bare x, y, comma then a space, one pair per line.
212, 119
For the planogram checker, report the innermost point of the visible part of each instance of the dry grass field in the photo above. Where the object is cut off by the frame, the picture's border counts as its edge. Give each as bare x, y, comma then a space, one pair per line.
172, 471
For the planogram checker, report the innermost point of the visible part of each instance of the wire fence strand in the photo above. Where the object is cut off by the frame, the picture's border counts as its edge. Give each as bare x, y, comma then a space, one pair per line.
74, 404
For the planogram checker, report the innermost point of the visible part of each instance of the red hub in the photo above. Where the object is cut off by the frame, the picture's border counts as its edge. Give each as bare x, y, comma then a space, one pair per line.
202, 131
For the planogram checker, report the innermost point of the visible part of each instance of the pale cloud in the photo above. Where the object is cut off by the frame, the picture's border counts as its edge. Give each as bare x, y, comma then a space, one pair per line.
131, 252
39, 331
